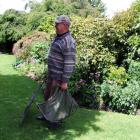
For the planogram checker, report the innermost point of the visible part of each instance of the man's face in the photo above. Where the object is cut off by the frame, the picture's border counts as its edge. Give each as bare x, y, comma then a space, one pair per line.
60, 27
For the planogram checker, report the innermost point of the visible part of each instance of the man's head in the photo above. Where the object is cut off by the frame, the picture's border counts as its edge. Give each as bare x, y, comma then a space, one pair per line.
62, 24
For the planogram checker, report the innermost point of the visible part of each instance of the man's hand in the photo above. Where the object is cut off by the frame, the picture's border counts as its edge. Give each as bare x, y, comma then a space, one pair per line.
63, 86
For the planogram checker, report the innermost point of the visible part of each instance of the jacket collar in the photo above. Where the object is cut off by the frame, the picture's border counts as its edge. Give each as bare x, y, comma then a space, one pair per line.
62, 35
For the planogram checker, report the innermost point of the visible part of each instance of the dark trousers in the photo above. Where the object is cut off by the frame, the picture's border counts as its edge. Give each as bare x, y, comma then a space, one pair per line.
50, 87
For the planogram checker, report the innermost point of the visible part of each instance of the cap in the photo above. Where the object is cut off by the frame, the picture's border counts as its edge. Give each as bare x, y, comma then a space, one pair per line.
63, 19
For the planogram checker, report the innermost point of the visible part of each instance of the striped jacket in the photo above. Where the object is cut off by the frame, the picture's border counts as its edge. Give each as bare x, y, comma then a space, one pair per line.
61, 58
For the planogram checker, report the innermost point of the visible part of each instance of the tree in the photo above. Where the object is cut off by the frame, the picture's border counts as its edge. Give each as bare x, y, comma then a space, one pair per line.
98, 4
12, 28
69, 7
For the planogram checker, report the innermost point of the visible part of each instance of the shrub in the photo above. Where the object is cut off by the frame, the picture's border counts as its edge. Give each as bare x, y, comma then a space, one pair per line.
107, 90
39, 51
134, 70
31, 53
128, 100
122, 99
26, 46
134, 53
12, 28
34, 71
117, 75
87, 95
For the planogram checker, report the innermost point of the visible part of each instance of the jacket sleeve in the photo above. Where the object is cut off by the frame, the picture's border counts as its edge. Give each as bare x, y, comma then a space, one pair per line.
69, 55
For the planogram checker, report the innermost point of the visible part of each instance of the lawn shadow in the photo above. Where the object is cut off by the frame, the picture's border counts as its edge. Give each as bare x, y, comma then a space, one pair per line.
78, 124
15, 91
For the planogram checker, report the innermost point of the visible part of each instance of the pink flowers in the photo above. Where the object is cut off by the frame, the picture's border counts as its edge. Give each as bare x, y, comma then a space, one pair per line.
80, 83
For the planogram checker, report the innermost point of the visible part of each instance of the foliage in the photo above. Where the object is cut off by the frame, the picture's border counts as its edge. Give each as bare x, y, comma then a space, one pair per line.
47, 25
13, 27
99, 4
107, 91
34, 19
134, 71
134, 42
33, 70
31, 52
15, 24
117, 75
68, 7
22, 48
134, 39
92, 67
126, 100
121, 28
90, 42
121, 90
88, 95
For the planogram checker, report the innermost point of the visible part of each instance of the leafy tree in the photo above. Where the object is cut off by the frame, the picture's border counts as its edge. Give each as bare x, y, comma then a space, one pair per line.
98, 4
69, 7
12, 28
34, 19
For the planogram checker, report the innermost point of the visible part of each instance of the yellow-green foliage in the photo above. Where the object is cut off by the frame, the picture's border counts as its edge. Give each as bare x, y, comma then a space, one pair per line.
117, 75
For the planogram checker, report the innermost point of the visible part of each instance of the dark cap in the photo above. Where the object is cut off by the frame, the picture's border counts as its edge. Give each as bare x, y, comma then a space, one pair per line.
63, 19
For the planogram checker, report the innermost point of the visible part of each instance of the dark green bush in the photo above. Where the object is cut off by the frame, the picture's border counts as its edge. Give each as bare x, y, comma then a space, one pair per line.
39, 51
122, 99
107, 91
134, 53
12, 28
134, 71
121, 91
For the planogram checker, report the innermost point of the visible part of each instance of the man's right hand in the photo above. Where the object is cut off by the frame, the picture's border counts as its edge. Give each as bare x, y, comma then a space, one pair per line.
63, 86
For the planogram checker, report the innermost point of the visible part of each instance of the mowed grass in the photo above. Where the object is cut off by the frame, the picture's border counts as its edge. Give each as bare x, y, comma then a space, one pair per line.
85, 124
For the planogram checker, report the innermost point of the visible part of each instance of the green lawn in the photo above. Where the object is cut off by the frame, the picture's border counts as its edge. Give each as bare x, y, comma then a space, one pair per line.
83, 125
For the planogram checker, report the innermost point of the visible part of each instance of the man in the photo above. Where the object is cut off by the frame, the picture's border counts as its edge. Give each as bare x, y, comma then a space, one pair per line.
61, 58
